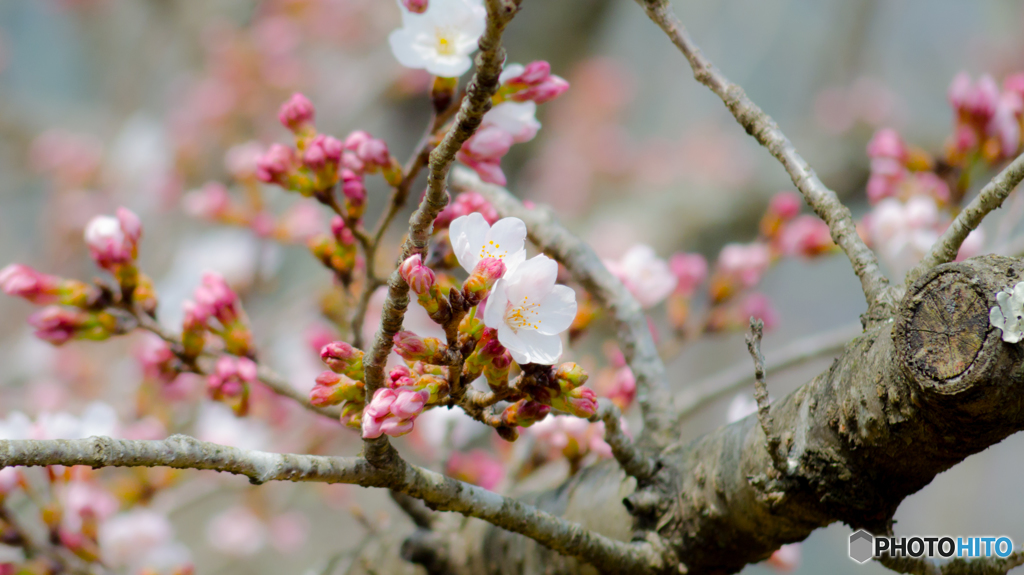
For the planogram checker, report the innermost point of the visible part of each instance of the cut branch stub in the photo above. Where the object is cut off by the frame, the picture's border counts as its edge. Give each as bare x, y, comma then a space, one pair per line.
947, 343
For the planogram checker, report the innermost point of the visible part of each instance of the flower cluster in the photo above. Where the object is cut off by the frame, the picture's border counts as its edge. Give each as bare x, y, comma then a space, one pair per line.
508, 310
988, 120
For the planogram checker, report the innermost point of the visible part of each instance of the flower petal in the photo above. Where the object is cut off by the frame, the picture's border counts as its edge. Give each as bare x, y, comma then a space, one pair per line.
557, 311
507, 236
514, 343
468, 234
532, 279
494, 312
541, 348
402, 47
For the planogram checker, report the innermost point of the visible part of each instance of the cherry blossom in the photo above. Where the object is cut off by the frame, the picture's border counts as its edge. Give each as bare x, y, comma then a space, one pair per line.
473, 239
529, 311
441, 38
647, 276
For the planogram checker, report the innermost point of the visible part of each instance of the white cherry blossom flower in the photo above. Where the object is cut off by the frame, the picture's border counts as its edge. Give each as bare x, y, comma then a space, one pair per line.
442, 39
647, 276
473, 239
529, 311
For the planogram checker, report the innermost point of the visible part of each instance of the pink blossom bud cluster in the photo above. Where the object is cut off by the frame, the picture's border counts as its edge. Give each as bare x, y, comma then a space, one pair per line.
231, 380
562, 388
343, 384
319, 162
532, 82
215, 300
423, 282
393, 412
988, 119
338, 251
739, 267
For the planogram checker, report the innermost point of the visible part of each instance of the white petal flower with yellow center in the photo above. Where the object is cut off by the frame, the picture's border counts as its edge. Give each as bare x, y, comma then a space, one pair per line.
442, 39
529, 311
473, 239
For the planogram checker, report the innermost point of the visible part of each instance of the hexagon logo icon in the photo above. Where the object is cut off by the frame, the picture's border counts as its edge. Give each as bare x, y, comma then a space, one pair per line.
861, 546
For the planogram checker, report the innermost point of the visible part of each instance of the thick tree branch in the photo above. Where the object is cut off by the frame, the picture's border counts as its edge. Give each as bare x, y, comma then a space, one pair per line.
764, 129
634, 334
989, 198
437, 491
975, 566
904, 401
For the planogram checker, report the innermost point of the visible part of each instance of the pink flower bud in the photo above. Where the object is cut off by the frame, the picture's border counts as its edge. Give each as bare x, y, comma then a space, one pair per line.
623, 389
373, 153
533, 73
960, 90
415, 6
322, 152
415, 348
343, 358
479, 283
296, 113
409, 403
58, 325
1014, 83
22, 281
419, 277
581, 402
887, 143
355, 139
690, 270
380, 405
489, 171
216, 295
571, 375
354, 190
113, 241
275, 164
524, 413
332, 388
395, 427
401, 376
549, 89
230, 381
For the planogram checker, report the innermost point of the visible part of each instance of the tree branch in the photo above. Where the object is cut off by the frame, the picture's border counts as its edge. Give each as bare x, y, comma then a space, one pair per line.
634, 334
477, 102
437, 491
633, 461
989, 198
763, 128
974, 566
764, 410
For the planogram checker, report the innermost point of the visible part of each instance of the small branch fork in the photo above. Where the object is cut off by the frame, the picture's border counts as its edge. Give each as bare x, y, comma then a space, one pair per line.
633, 461
989, 198
764, 129
764, 415
634, 334
437, 491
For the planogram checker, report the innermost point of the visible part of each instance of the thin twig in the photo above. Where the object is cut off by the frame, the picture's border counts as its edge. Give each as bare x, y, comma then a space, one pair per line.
989, 198
439, 492
763, 128
764, 410
633, 461
634, 333
696, 396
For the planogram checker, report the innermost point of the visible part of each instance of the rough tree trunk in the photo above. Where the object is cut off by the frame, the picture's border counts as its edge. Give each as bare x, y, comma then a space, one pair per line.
908, 399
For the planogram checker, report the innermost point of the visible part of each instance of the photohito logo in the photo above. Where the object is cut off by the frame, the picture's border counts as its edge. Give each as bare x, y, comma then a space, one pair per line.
864, 546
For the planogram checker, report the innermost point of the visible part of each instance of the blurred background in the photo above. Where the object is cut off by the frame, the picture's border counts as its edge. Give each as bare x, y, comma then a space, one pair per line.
138, 102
